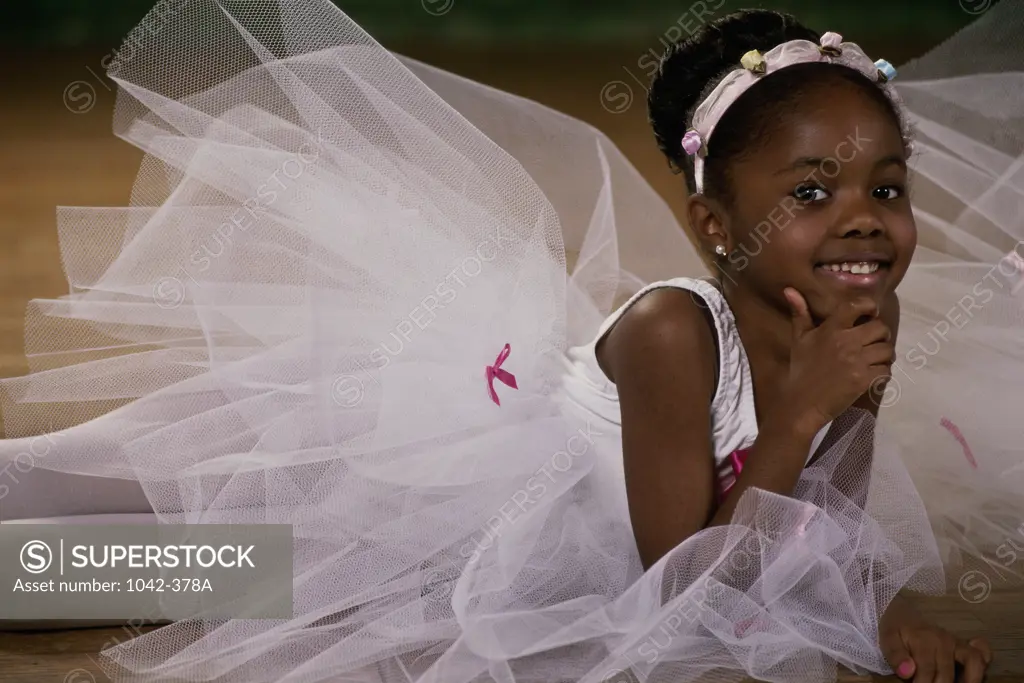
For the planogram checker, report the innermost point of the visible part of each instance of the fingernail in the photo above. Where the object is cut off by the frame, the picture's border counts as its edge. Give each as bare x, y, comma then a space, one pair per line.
906, 668
984, 655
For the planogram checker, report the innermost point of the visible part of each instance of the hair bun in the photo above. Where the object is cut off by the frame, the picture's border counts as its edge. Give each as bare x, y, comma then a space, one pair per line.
692, 68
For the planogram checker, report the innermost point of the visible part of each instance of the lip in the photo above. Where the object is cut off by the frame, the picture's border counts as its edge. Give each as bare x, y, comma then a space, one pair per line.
860, 280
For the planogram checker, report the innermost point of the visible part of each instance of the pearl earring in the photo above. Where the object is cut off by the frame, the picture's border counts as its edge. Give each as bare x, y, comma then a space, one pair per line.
720, 250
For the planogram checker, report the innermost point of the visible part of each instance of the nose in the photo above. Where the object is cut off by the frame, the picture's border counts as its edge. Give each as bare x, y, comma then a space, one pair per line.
873, 228
861, 221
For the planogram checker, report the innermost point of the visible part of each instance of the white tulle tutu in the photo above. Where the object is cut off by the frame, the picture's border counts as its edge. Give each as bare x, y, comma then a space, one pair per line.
328, 245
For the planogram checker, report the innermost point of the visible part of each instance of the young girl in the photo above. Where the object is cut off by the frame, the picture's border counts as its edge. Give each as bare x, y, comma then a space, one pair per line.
339, 302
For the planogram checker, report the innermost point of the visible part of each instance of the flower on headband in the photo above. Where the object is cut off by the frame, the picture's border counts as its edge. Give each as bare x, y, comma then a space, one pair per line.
753, 61
830, 43
886, 71
693, 143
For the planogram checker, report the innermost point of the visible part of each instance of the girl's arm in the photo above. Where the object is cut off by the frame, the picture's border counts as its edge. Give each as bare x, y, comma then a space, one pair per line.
662, 356
851, 480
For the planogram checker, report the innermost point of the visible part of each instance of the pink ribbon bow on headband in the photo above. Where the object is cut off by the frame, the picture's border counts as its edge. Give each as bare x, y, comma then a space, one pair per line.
830, 43
494, 372
692, 142
754, 66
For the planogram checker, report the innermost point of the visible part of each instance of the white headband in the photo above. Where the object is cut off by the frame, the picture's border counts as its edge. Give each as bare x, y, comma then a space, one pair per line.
755, 65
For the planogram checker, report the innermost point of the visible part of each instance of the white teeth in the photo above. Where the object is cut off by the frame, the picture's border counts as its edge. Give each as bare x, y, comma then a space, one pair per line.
855, 268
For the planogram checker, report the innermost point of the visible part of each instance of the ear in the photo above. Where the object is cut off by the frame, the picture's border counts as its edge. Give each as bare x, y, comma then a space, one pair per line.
707, 221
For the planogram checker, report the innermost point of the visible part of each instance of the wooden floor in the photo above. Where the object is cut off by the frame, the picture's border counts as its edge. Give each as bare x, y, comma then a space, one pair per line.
70, 656
51, 156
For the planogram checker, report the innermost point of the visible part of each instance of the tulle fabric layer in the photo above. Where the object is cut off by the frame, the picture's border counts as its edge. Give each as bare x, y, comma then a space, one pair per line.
959, 375
326, 248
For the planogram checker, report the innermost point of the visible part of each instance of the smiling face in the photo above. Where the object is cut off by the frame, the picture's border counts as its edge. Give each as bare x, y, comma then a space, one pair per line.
822, 205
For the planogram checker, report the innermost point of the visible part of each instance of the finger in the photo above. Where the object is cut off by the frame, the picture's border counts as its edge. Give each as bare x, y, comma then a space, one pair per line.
897, 655
973, 661
849, 312
945, 661
982, 645
871, 332
924, 659
880, 353
906, 669
801, 314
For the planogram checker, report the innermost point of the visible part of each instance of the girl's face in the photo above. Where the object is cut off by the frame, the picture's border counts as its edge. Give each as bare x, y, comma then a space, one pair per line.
822, 207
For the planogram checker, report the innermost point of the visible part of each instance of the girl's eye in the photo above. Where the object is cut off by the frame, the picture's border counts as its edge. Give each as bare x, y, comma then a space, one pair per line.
810, 193
888, 192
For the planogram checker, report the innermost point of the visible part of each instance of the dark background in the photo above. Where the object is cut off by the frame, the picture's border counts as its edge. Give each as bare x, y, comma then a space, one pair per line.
75, 23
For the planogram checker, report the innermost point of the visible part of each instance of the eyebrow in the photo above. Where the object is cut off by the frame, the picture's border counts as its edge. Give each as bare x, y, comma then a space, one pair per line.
815, 162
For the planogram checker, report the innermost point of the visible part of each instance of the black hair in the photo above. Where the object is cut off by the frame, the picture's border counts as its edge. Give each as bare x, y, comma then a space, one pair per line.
692, 68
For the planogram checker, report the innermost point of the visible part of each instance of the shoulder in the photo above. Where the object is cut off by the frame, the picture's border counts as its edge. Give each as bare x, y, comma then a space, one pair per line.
668, 329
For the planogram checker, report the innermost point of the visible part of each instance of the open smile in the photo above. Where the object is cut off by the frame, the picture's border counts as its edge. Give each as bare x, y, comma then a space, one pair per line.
856, 271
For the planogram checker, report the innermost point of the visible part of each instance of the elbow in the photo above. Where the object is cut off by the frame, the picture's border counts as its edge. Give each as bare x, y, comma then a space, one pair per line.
654, 550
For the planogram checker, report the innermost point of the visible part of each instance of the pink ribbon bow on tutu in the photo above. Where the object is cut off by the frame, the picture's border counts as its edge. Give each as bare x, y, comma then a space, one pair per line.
958, 435
494, 372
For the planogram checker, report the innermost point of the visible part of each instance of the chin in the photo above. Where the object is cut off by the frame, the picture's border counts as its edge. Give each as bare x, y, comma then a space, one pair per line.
823, 298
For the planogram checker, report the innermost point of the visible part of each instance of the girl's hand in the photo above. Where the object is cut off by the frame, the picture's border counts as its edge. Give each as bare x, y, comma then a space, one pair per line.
924, 653
835, 363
